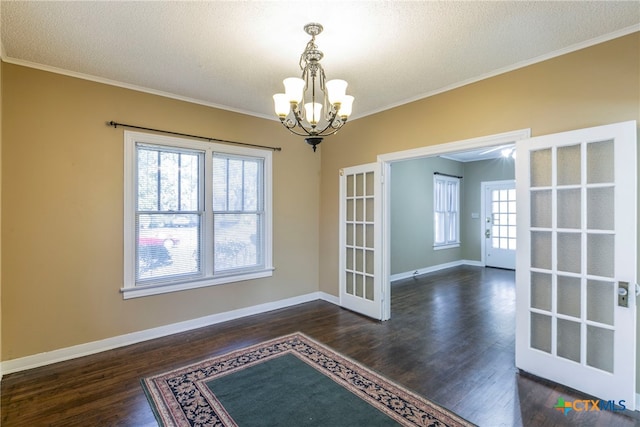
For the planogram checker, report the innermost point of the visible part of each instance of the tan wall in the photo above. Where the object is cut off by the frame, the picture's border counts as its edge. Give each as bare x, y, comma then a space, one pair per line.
62, 198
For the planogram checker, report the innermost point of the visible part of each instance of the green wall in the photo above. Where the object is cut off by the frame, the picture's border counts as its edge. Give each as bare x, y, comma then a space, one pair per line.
411, 218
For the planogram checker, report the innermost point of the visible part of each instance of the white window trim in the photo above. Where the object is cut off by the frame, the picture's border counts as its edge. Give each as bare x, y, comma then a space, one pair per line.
448, 244
129, 289
445, 246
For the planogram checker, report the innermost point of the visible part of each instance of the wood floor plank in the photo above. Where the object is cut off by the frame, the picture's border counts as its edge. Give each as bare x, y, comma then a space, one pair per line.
450, 339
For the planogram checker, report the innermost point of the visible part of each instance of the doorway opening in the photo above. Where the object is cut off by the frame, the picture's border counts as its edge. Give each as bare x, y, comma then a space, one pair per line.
475, 160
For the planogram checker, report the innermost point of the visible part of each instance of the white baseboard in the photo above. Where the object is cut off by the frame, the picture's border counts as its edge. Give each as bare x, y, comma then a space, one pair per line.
329, 298
60, 355
408, 274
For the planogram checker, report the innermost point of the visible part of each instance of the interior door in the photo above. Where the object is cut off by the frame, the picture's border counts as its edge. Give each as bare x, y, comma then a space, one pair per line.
360, 239
576, 260
500, 224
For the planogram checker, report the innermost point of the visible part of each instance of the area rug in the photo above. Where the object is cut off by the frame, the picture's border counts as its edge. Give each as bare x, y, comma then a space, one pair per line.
288, 381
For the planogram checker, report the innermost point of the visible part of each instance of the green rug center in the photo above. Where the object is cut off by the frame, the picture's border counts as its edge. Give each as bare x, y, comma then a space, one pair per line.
285, 391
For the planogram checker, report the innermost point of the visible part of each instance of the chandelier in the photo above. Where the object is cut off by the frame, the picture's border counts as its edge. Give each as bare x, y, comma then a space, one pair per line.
325, 105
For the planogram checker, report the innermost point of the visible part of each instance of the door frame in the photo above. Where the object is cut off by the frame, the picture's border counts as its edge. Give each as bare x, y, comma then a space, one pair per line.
483, 196
386, 160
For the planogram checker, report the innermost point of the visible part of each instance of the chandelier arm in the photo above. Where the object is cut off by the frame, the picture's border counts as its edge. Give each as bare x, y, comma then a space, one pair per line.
292, 128
293, 131
300, 119
331, 119
330, 133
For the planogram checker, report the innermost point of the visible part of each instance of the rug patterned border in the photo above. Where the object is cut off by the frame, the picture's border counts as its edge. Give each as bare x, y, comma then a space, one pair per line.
181, 397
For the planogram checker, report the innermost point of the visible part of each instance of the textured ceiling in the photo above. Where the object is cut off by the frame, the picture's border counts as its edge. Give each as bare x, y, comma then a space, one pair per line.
234, 54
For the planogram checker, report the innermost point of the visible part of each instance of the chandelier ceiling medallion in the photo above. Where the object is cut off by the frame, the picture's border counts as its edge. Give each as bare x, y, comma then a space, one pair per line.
325, 105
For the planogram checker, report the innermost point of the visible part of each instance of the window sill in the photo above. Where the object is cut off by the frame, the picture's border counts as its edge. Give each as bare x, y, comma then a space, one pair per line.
156, 289
449, 246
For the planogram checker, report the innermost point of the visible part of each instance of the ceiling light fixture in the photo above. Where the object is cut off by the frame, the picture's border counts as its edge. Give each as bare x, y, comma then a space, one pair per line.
508, 152
315, 95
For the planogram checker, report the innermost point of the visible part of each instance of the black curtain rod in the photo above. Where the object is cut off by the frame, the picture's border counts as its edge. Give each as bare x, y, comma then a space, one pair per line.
206, 138
446, 174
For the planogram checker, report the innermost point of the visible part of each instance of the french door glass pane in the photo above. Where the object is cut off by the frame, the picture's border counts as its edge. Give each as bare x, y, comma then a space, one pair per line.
359, 235
541, 249
541, 209
599, 214
359, 210
569, 296
569, 159
368, 288
349, 282
541, 291
360, 185
600, 301
369, 210
600, 157
369, 184
600, 254
350, 187
569, 252
569, 339
600, 348
359, 260
359, 288
369, 236
369, 262
569, 208
541, 332
541, 168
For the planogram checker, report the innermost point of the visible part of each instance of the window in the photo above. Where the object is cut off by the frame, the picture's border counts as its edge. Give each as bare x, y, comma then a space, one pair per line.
196, 214
446, 211
238, 212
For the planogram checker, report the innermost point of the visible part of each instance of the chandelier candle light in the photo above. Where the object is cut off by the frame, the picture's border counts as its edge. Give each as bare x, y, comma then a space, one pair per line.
310, 121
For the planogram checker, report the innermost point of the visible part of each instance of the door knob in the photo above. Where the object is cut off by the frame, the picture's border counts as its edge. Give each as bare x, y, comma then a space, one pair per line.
623, 292
487, 233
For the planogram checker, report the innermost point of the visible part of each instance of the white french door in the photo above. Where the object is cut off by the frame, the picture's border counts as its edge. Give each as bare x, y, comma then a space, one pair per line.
576, 201
360, 240
499, 224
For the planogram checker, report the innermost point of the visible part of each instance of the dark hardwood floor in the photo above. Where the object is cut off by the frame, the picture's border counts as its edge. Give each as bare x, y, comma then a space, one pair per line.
450, 339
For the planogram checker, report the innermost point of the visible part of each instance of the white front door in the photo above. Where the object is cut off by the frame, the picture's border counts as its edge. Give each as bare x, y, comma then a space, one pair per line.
576, 260
360, 240
500, 224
